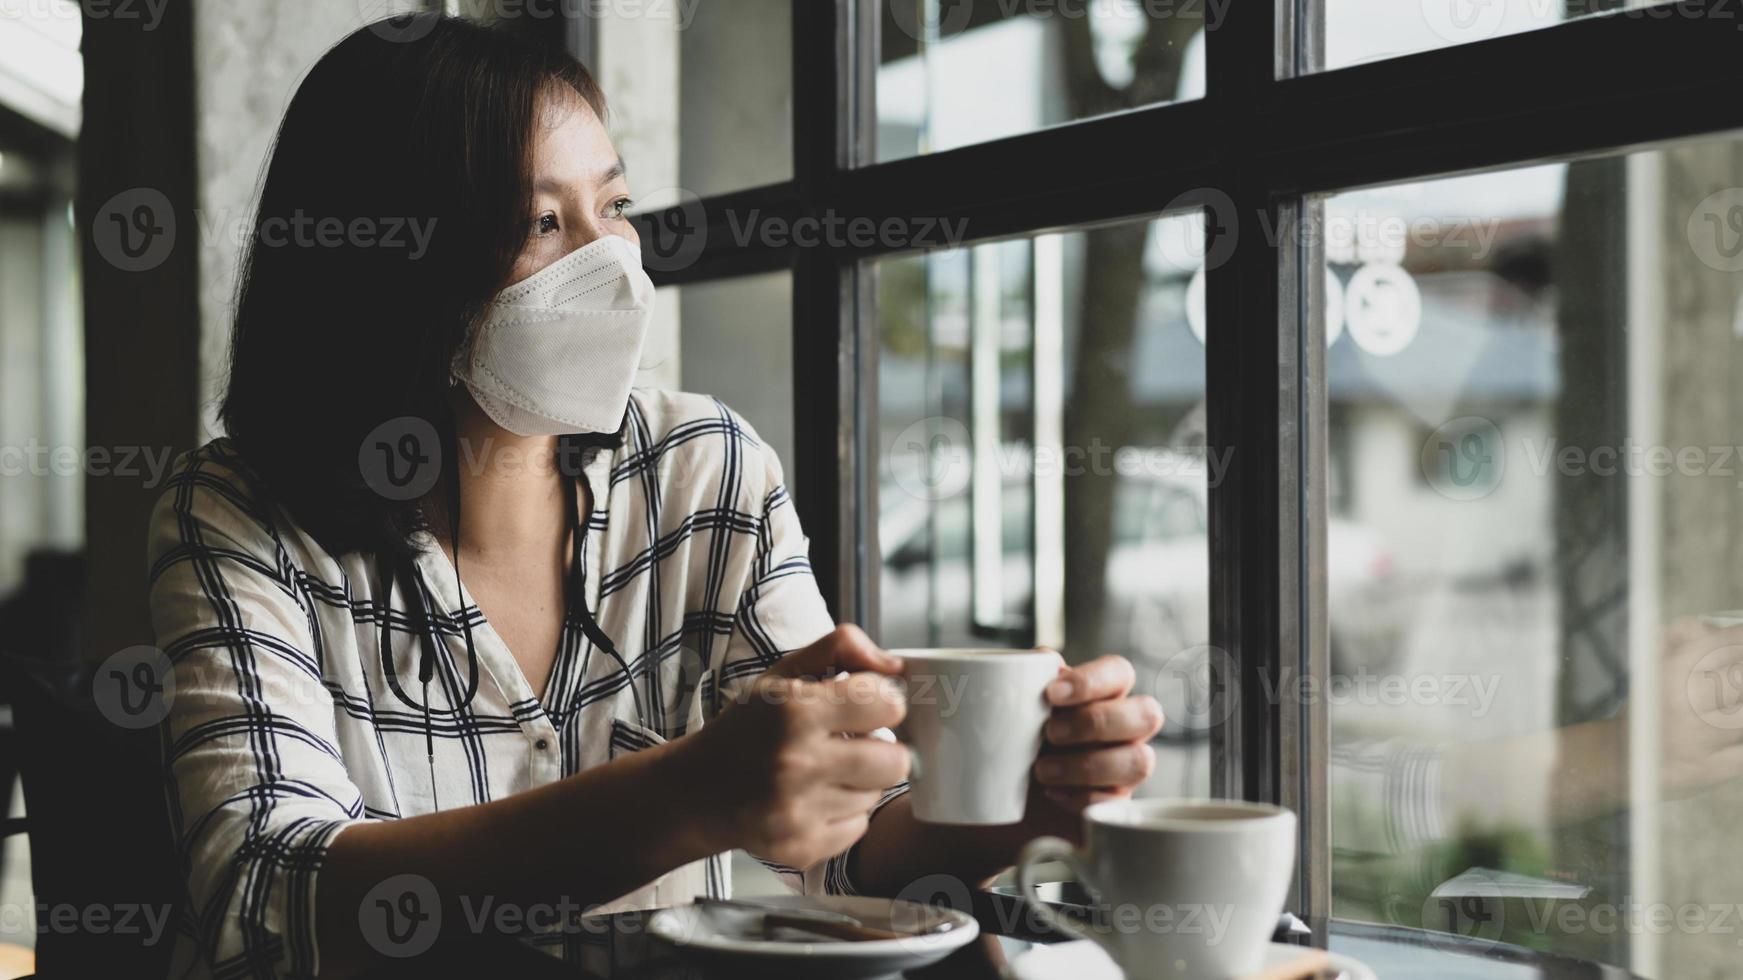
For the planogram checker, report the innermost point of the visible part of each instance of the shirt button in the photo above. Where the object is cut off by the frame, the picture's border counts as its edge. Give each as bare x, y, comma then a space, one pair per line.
541, 745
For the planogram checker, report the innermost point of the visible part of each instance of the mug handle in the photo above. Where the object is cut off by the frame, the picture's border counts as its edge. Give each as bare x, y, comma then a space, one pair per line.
1051, 849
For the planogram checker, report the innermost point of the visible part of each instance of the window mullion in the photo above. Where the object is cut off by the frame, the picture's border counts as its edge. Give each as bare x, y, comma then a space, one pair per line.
827, 443
1260, 601
1242, 414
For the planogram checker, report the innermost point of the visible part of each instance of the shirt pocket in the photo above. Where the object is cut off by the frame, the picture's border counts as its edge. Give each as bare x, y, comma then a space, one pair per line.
627, 737
711, 876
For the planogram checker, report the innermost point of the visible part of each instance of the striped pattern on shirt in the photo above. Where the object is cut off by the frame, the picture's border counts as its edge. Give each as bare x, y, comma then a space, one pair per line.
285, 726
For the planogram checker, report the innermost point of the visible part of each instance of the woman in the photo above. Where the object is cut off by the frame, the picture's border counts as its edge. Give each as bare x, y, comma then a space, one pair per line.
636, 673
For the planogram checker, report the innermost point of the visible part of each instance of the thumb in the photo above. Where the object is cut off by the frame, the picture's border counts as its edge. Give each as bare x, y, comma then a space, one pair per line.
846, 648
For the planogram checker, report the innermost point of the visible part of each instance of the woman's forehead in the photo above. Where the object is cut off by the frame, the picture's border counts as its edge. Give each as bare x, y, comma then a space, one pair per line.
570, 141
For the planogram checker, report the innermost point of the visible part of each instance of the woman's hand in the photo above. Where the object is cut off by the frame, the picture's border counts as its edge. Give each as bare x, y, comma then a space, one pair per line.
1701, 713
1097, 747
776, 776
1098, 738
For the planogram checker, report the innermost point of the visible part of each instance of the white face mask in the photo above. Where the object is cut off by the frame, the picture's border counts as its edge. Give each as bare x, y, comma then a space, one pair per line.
558, 351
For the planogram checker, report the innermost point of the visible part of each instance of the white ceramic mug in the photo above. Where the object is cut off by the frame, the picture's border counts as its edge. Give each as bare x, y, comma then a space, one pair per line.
1183, 889
974, 726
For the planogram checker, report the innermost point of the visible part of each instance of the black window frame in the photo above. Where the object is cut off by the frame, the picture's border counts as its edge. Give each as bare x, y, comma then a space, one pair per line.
1253, 153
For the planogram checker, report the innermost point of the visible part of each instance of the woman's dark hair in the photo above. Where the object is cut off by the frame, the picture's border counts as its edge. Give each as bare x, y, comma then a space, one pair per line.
393, 209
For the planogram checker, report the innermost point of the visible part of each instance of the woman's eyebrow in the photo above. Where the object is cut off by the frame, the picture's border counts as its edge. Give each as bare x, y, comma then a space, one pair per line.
616, 170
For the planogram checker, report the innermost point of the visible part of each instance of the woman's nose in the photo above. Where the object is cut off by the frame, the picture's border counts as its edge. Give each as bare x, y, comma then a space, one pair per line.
586, 233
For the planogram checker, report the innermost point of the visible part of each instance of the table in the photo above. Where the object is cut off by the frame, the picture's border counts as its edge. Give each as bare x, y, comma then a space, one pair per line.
629, 953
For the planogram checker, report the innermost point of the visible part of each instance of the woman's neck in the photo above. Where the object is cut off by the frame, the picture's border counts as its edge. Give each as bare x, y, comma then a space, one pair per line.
512, 498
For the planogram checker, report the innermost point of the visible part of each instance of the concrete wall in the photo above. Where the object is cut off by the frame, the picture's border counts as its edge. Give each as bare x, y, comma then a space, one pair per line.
738, 346
737, 96
249, 59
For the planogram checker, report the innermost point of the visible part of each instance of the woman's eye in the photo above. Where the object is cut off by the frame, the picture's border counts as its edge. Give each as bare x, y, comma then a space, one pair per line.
621, 207
546, 223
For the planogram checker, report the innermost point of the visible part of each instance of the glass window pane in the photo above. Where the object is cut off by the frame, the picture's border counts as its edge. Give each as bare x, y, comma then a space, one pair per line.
1042, 473
735, 342
701, 94
1536, 708
956, 72
1370, 30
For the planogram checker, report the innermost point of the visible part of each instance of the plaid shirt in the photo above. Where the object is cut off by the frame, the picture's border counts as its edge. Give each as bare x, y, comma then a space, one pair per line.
284, 728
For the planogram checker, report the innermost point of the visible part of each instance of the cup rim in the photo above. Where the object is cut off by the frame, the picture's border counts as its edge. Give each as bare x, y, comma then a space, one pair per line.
1100, 815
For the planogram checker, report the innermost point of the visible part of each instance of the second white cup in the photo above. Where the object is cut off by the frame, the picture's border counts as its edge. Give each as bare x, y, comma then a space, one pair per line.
1189, 889
974, 723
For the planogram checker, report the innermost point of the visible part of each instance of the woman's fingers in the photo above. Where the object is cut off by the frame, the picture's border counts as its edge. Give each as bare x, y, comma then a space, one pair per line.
839, 835
835, 803
845, 648
864, 763
1101, 679
1119, 765
1101, 722
859, 703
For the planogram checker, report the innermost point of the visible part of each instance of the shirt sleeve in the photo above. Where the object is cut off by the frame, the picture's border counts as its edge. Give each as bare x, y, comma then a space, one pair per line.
257, 789
781, 610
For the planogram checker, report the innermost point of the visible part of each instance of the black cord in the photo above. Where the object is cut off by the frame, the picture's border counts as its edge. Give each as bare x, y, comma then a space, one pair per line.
426, 657
427, 623
578, 600
427, 636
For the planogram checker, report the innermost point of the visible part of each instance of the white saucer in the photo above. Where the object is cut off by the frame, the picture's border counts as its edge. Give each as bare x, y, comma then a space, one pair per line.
1084, 960
733, 938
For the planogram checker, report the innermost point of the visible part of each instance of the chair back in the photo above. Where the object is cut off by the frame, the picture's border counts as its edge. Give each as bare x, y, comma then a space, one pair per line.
102, 859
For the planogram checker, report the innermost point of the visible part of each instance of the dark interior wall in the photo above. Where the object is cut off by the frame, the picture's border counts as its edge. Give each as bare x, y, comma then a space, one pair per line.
135, 213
